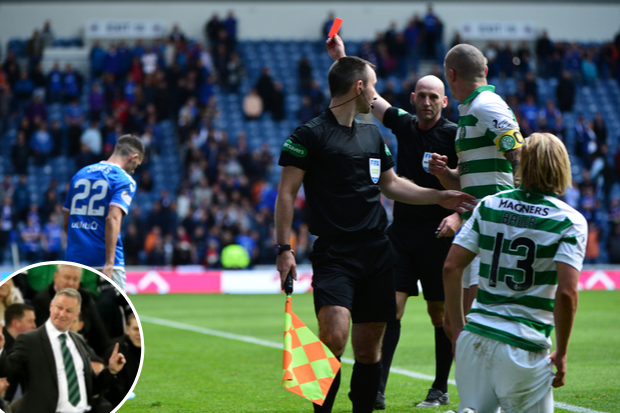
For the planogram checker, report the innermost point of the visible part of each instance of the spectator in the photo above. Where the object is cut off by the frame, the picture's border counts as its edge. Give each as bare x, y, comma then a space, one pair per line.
36, 110
565, 92
92, 138
21, 196
96, 101
31, 241
20, 154
317, 97
252, 105
132, 245
53, 239
112, 61
57, 138
306, 112
593, 249
23, 89
38, 78
47, 34
149, 61
130, 345
74, 119
9, 295
305, 75
589, 70
72, 84
230, 25
544, 52
600, 130
235, 72
34, 48
277, 101
432, 27
97, 58
328, 24
8, 220
41, 144
54, 84
176, 35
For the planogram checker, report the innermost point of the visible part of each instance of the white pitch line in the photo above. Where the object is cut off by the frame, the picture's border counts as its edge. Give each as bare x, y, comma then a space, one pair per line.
265, 343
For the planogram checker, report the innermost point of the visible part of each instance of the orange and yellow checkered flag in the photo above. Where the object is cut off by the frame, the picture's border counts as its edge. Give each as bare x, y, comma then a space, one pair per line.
309, 366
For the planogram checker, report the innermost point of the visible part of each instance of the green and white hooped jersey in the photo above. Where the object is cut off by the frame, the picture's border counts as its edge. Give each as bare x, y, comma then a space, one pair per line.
487, 129
519, 236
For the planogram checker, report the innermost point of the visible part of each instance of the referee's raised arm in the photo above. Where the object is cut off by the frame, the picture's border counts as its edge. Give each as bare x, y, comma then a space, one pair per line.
335, 48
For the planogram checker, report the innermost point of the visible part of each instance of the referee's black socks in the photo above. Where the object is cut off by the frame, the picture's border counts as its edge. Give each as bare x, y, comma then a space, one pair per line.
364, 386
443, 359
331, 395
390, 341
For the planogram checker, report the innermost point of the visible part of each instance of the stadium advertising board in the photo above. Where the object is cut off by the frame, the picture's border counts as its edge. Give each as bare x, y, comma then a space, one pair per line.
125, 29
492, 30
268, 282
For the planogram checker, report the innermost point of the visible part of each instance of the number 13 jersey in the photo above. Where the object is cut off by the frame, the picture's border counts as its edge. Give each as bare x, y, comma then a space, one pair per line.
519, 235
92, 190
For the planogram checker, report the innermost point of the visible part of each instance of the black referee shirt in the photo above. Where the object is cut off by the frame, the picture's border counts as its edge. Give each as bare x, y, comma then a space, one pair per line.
413, 144
343, 166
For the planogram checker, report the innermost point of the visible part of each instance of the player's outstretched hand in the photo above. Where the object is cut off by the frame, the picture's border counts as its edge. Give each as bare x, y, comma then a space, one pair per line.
449, 226
457, 200
107, 270
285, 263
335, 47
117, 361
560, 366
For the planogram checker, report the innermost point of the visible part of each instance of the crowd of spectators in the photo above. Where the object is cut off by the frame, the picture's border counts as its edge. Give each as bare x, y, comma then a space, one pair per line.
106, 319
225, 196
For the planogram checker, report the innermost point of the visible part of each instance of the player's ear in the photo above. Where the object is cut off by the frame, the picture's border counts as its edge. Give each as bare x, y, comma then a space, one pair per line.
486, 70
444, 102
412, 98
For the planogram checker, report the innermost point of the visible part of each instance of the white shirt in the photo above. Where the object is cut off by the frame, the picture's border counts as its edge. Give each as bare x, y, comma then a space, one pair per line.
63, 392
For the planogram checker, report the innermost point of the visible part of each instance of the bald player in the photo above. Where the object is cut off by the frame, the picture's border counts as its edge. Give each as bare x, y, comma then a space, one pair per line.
421, 234
488, 141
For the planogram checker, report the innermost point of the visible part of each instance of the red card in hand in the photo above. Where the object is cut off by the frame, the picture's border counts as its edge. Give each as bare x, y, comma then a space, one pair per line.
335, 27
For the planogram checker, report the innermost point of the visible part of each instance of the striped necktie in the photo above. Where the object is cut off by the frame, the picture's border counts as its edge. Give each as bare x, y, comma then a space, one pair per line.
73, 386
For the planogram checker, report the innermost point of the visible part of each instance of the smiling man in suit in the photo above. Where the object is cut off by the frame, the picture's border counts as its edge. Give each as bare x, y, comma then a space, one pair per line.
55, 364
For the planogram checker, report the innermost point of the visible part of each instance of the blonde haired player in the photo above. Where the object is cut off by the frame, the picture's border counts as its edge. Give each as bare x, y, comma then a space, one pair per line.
531, 247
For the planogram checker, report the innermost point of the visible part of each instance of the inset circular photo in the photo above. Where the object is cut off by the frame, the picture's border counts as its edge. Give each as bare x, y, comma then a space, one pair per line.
71, 341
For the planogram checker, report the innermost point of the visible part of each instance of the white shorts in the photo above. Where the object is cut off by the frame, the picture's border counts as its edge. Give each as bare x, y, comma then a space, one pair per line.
118, 276
471, 273
491, 374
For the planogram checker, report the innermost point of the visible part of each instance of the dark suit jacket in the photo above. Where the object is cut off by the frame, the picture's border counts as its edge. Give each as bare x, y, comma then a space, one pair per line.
94, 330
32, 354
14, 381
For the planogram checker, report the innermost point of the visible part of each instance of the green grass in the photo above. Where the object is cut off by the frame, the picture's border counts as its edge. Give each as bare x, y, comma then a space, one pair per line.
186, 371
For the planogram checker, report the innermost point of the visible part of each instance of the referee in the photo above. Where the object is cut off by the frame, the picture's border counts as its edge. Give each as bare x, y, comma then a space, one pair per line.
345, 165
421, 234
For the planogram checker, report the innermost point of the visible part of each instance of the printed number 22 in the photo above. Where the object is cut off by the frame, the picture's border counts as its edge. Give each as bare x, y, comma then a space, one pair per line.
525, 264
90, 210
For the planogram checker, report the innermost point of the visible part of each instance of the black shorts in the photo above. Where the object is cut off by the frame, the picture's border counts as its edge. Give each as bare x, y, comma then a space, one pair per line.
419, 256
355, 275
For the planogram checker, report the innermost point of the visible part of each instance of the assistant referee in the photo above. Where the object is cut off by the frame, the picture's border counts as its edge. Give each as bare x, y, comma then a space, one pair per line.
345, 165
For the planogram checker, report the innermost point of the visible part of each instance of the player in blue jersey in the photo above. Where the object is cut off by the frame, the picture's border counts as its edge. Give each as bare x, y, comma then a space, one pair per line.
98, 198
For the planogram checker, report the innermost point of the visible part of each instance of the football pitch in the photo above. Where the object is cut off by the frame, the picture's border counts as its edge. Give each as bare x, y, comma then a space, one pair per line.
222, 353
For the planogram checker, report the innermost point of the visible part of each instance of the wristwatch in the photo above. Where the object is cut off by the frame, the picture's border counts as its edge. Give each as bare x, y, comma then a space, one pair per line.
279, 248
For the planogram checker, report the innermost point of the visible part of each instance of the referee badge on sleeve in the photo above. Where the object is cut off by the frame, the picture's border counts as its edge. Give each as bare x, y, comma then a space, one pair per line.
375, 169
427, 157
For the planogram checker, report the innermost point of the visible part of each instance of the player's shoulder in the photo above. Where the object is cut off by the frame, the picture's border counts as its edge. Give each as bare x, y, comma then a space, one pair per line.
365, 124
569, 212
447, 125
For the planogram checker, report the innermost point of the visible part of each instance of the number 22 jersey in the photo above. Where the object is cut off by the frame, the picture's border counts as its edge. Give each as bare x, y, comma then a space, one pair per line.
92, 190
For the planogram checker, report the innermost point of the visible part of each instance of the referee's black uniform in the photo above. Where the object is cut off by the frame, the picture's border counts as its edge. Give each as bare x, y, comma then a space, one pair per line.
420, 253
352, 259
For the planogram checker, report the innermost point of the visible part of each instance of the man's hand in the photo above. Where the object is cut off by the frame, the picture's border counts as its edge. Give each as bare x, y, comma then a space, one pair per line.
438, 165
457, 200
335, 47
107, 270
560, 365
449, 226
4, 384
285, 263
117, 361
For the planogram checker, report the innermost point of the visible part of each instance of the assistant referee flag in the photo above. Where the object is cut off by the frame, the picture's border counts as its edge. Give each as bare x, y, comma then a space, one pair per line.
309, 366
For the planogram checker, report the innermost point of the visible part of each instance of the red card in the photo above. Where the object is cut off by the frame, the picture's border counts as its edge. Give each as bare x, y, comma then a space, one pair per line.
335, 27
